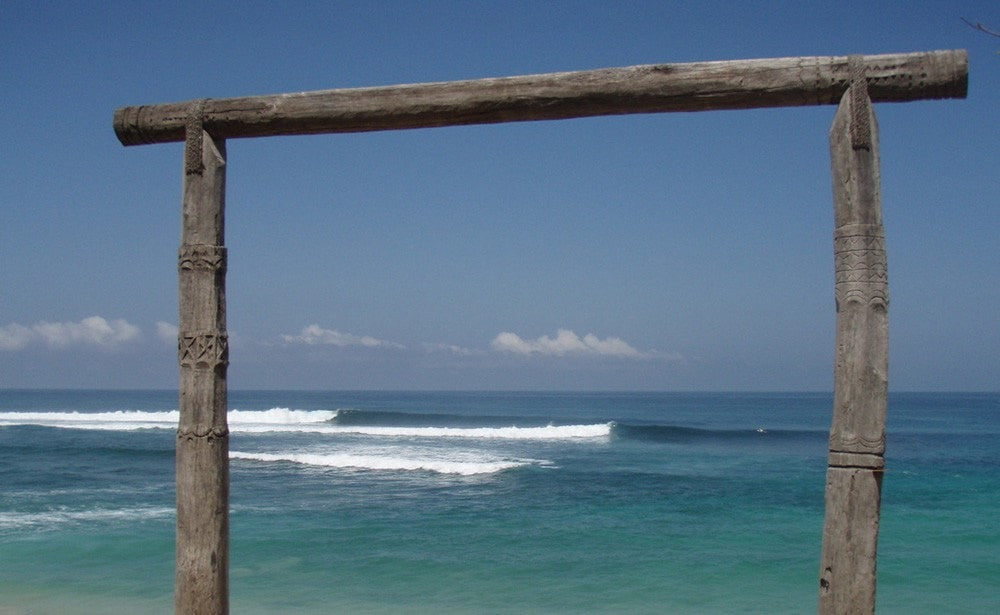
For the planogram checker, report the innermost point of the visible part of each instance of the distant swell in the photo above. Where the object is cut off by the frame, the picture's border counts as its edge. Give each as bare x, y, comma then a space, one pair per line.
122, 420
378, 462
286, 420
356, 416
676, 434
405, 425
548, 432
275, 419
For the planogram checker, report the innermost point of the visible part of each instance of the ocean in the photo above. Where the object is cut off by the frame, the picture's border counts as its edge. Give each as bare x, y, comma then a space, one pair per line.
393, 502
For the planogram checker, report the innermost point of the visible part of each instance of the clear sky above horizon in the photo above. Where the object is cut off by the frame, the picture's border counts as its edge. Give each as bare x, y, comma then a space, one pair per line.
686, 251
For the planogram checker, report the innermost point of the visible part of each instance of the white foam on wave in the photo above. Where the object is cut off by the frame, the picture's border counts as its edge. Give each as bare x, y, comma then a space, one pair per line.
278, 419
287, 420
548, 432
50, 518
121, 420
280, 416
275, 419
390, 463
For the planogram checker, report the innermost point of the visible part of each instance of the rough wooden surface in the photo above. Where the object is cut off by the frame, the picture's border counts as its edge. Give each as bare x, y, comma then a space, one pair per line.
847, 576
202, 569
857, 434
698, 86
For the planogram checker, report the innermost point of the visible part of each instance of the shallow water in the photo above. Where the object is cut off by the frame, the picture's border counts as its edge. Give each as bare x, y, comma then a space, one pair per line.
493, 502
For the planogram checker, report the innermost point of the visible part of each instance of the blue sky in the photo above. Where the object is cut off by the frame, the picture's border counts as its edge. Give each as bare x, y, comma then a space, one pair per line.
653, 252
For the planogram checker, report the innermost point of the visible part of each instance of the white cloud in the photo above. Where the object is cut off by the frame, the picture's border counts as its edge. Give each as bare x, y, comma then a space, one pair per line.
314, 335
93, 330
453, 349
166, 332
15, 337
567, 342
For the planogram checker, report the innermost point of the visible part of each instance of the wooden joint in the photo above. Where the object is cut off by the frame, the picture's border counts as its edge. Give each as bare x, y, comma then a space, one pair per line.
194, 128
861, 125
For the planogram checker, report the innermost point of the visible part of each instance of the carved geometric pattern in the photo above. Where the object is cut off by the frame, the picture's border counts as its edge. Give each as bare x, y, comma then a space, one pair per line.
857, 443
209, 432
193, 128
859, 257
861, 126
206, 350
200, 257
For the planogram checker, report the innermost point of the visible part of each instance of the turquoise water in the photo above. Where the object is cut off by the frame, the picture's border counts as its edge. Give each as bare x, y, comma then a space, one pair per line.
493, 502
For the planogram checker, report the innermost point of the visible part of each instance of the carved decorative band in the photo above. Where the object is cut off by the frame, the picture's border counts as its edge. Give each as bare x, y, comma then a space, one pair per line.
855, 443
205, 350
200, 257
203, 432
860, 264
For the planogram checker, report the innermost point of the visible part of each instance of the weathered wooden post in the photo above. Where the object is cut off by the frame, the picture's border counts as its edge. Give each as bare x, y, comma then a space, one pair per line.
202, 571
857, 436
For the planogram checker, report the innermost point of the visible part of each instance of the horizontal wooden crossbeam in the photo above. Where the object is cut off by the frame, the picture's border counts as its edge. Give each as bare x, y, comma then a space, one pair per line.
655, 88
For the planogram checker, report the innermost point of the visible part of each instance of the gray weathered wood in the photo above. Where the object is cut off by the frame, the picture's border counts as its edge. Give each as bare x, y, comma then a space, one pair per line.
857, 434
202, 570
698, 86
847, 574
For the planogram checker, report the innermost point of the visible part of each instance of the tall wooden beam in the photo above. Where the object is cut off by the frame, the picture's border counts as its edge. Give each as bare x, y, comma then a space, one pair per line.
202, 570
697, 86
857, 435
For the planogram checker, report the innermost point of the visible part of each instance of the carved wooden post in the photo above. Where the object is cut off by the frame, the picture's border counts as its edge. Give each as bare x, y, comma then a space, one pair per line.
202, 572
857, 436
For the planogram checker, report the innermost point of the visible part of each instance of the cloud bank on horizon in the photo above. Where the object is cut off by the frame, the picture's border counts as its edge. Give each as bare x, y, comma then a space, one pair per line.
314, 335
567, 342
110, 334
93, 330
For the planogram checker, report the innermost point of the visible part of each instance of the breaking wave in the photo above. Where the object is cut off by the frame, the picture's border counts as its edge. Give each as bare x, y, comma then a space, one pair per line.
309, 421
390, 462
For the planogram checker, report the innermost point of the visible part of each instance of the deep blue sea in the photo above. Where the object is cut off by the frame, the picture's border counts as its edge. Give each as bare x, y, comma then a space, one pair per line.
520, 503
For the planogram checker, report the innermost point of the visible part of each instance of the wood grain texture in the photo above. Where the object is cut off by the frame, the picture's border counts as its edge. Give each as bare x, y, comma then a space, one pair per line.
698, 86
847, 579
857, 433
202, 568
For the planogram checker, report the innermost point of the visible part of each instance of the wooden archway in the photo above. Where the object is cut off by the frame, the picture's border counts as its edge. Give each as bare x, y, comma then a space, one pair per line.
857, 435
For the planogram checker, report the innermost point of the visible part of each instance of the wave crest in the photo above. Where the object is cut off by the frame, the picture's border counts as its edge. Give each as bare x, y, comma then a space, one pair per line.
275, 419
391, 463
288, 420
